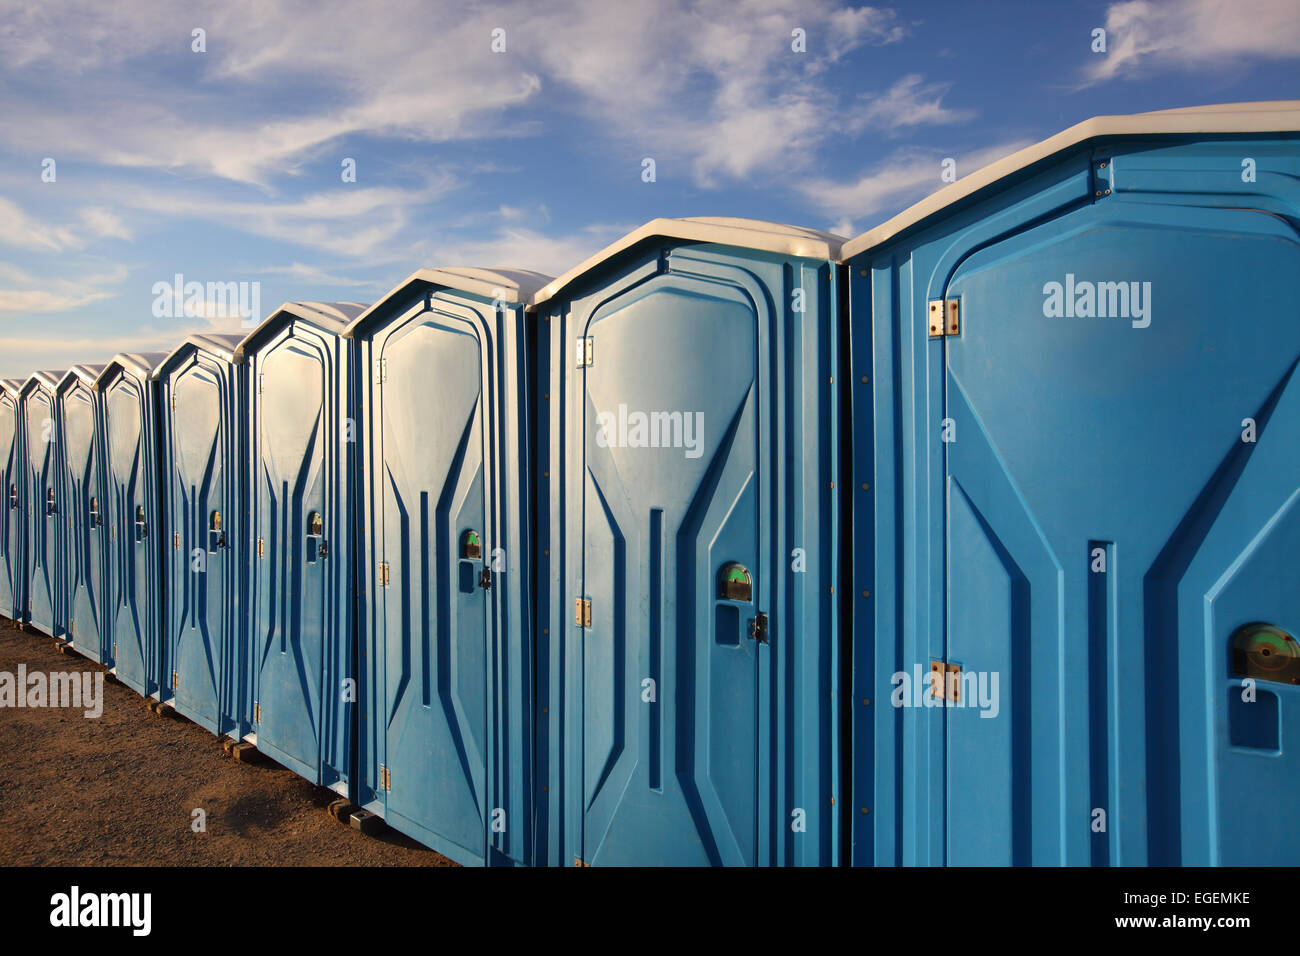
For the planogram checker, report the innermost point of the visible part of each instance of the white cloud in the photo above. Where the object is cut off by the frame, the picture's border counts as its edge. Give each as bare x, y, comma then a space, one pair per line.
357, 222
909, 102
711, 86
19, 229
313, 275
1193, 35
524, 248
906, 178
27, 293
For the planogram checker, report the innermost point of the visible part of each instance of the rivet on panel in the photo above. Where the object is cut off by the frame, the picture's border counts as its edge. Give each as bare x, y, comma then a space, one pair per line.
865, 810
865, 486
866, 702
866, 379
866, 594
863, 273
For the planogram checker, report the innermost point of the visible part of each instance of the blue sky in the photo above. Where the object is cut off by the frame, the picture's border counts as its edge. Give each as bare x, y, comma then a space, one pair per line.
225, 165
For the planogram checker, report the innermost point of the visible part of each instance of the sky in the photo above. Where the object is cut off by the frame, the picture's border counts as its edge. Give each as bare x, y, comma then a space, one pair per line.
134, 149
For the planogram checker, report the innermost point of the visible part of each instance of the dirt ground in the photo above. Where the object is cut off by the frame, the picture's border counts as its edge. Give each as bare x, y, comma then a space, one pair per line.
120, 790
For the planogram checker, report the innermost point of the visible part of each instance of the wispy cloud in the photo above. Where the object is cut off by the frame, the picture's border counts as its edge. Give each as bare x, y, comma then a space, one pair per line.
525, 248
361, 222
908, 103
24, 293
1192, 35
904, 178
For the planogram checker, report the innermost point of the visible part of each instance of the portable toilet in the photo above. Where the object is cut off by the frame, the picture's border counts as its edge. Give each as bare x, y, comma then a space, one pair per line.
12, 513
300, 429
204, 522
131, 507
445, 750
1076, 454
40, 481
83, 547
688, 446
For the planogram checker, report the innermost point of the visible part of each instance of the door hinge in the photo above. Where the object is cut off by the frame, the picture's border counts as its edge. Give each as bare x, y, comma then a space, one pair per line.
385, 779
945, 681
584, 350
257, 712
173, 401
261, 382
582, 612
945, 317
176, 680
72, 627
261, 547
383, 575
115, 649
176, 540
381, 371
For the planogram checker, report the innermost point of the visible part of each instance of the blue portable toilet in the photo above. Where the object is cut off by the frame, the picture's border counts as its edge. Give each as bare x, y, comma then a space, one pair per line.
134, 608
300, 431
201, 391
82, 549
687, 433
43, 489
445, 749
1076, 455
13, 511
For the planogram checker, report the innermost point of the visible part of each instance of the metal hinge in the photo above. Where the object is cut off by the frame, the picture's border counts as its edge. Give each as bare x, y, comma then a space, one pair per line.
261, 382
584, 350
945, 317
261, 547
115, 648
385, 779
72, 627
257, 712
176, 680
383, 575
381, 371
173, 401
945, 681
582, 612
176, 540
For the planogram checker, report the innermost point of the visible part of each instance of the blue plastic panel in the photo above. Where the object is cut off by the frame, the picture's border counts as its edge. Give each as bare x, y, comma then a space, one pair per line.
1083, 494
44, 509
703, 435
135, 531
83, 554
301, 643
447, 662
12, 508
205, 523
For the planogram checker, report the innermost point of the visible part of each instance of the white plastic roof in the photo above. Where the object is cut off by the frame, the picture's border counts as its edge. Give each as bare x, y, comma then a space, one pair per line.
221, 344
745, 233
330, 316
86, 373
11, 385
47, 378
517, 285
1263, 117
139, 364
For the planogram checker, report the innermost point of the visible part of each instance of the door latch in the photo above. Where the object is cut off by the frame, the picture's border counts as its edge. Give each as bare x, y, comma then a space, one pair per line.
758, 628
485, 578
